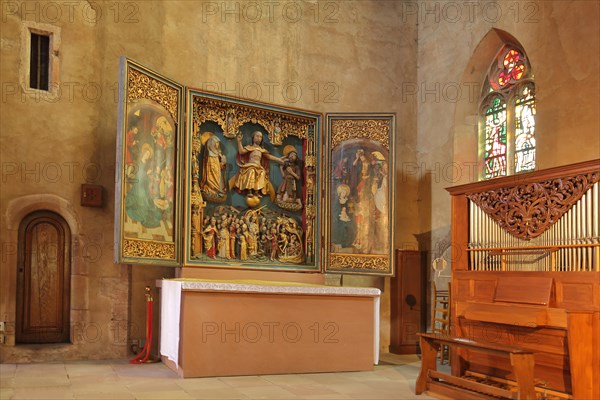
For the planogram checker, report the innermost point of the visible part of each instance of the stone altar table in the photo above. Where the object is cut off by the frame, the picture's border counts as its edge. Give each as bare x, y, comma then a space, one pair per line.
225, 328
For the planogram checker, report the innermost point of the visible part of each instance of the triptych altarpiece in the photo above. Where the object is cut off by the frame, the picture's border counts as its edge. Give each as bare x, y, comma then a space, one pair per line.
205, 179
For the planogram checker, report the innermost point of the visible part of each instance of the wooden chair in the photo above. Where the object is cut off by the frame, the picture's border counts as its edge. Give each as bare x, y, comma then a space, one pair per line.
440, 318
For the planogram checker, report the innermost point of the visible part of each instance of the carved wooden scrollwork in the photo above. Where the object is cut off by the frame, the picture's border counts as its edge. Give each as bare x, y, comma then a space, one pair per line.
231, 116
142, 86
374, 129
148, 249
356, 261
528, 210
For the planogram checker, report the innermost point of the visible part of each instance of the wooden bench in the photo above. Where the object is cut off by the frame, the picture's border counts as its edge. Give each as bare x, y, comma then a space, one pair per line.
457, 387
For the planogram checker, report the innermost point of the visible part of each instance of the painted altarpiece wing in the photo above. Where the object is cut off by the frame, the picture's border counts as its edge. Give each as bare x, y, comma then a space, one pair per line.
252, 184
149, 144
360, 193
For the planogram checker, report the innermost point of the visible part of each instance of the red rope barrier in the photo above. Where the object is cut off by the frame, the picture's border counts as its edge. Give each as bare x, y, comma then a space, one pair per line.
142, 357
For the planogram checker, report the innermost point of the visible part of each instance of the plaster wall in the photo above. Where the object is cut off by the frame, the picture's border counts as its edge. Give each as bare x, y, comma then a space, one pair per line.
423, 60
457, 44
334, 56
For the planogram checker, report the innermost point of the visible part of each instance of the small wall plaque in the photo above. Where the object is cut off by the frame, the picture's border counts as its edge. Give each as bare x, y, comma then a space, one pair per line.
91, 195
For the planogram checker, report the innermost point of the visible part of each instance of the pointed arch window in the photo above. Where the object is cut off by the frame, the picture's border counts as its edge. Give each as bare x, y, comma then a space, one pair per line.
507, 123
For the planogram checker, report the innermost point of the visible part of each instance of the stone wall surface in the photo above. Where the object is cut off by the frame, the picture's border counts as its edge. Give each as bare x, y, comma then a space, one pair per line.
326, 56
457, 44
423, 60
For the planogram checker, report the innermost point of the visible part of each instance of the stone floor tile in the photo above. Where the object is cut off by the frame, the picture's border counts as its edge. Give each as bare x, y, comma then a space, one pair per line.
156, 385
118, 379
350, 387
304, 389
7, 370
104, 396
244, 381
288, 379
6, 393
40, 380
202, 384
157, 370
329, 396
114, 388
267, 392
162, 395
217, 394
42, 393
329, 378
7, 382
85, 369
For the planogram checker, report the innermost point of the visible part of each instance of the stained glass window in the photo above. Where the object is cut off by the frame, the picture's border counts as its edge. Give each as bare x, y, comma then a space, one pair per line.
525, 129
508, 115
495, 138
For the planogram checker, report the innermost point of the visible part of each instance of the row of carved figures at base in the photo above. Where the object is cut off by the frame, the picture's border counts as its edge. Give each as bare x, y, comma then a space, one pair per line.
252, 236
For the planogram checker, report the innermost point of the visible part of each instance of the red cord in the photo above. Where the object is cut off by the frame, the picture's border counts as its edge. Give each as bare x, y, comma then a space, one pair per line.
145, 353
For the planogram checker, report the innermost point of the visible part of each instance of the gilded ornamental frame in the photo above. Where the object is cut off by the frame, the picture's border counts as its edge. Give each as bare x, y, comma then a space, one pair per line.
359, 193
252, 184
148, 172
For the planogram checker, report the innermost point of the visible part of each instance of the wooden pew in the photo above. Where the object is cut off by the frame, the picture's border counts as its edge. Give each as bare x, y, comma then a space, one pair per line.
430, 379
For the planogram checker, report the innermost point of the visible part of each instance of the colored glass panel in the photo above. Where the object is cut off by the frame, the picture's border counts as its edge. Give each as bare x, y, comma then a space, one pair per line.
495, 138
525, 129
507, 70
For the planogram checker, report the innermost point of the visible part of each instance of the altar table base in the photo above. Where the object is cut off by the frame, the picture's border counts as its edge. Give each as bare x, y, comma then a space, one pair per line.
235, 329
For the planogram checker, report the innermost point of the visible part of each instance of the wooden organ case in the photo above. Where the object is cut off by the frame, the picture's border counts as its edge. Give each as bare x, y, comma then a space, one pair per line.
526, 273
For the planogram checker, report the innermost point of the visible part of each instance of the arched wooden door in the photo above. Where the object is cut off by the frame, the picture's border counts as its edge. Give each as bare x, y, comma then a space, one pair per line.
43, 279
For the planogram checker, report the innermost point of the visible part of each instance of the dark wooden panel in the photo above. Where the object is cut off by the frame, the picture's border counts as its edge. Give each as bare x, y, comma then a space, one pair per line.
408, 302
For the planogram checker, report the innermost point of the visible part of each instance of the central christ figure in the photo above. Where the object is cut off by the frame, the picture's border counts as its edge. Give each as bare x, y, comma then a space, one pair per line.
252, 179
